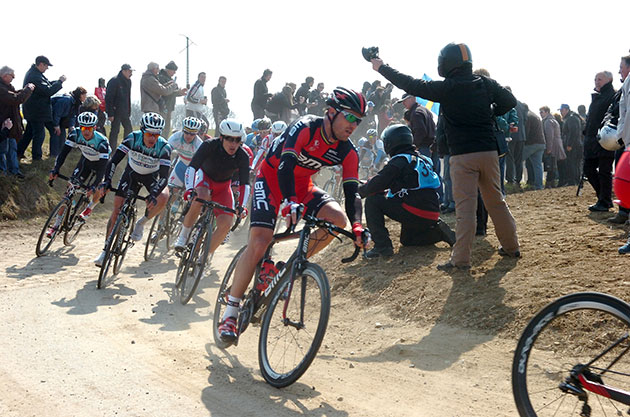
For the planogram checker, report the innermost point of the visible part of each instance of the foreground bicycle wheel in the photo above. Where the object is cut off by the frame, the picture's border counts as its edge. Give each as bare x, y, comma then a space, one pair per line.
123, 241
222, 295
191, 275
59, 212
293, 327
576, 330
159, 230
112, 249
74, 224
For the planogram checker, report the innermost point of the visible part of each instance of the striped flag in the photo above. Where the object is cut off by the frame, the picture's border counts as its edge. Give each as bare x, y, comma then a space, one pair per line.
434, 107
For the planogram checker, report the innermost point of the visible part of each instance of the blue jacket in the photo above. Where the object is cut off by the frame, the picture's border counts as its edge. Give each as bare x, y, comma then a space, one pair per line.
64, 108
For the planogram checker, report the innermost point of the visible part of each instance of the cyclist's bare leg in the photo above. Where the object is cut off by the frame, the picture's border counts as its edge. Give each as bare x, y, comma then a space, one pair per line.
320, 238
224, 222
161, 199
259, 239
118, 202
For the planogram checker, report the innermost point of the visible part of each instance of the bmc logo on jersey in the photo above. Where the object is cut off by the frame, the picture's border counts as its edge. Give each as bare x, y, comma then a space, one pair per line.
306, 162
332, 156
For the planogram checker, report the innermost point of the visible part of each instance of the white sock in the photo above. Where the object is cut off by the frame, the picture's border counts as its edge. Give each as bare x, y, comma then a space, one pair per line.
232, 311
185, 232
142, 220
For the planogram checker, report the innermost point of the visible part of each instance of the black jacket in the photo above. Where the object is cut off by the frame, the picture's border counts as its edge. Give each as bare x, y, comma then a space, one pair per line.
422, 125
465, 105
38, 107
261, 94
219, 104
118, 97
399, 174
601, 101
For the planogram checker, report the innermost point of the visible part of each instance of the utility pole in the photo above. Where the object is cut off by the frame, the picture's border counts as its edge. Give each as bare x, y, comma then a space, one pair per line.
189, 42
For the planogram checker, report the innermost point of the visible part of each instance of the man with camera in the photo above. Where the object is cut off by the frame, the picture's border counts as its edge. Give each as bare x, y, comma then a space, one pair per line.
468, 102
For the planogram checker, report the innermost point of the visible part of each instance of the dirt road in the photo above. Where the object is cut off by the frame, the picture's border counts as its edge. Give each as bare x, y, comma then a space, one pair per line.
69, 349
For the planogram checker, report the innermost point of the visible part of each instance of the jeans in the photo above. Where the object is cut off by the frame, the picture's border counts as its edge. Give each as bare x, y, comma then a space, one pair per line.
35, 131
57, 141
8, 156
535, 153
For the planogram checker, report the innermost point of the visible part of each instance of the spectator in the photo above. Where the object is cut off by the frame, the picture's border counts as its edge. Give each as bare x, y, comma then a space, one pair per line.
317, 101
448, 204
421, 124
385, 115
152, 91
554, 150
100, 93
623, 129
91, 104
65, 109
377, 97
514, 157
534, 147
582, 110
10, 101
366, 88
572, 140
165, 77
469, 132
38, 110
220, 109
261, 95
196, 99
598, 161
118, 104
302, 94
412, 199
281, 104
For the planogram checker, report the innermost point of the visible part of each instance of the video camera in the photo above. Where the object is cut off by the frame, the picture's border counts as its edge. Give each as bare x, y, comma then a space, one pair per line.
370, 53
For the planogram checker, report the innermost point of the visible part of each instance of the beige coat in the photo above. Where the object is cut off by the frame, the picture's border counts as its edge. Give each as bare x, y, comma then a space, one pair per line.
151, 90
553, 138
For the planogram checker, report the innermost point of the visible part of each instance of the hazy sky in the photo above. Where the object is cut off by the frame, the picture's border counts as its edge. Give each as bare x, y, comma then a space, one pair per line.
547, 51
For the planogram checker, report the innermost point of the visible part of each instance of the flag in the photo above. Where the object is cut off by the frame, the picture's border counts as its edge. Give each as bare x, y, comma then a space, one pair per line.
434, 107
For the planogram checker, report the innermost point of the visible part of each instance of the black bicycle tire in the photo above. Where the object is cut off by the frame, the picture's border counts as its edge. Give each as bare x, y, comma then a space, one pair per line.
556, 309
226, 283
110, 253
72, 221
125, 240
280, 380
202, 242
38, 250
150, 247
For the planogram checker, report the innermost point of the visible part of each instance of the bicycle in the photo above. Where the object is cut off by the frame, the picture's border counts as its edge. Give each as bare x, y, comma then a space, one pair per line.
119, 240
292, 309
573, 350
65, 216
333, 185
195, 255
167, 224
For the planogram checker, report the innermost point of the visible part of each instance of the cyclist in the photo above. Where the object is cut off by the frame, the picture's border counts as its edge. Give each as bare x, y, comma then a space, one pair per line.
261, 140
148, 164
371, 152
252, 133
277, 128
95, 151
184, 143
310, 143
209, 176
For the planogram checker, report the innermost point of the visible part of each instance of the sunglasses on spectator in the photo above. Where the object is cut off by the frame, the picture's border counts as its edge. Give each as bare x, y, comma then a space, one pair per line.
233, 139
351, 118
87, 128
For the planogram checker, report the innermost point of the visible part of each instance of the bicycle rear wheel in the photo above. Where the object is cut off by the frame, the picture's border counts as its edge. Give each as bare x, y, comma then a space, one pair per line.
222, 296
57, 215
112, 250
293, 326
196, 260
73, 223
568, 340
159, 230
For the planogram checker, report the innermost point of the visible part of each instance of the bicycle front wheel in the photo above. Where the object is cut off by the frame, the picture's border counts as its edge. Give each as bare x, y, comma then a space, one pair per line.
123, 240
293, 326
73, 224
54, 223
196, 260
582, 335
159, 230
112, 250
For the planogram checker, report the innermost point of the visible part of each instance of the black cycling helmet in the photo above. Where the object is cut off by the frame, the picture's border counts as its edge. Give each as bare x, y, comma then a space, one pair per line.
396, 137
344, 99
453, 56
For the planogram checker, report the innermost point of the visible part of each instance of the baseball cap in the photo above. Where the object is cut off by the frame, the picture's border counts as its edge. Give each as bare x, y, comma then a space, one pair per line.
564, 106
126, 67
171, 66
404, 97
42, 59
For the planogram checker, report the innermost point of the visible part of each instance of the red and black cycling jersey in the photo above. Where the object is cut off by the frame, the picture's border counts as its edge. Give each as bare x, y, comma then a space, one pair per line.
218, 164
303, 149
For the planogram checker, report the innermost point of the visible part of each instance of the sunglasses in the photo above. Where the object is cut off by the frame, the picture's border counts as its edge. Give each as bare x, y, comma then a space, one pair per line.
233, 139
153, 135
190, 133
87, 128
351, 118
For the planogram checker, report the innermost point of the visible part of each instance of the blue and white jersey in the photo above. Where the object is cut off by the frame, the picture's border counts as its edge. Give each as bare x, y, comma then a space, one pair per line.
185, 151
93, 149
142, 159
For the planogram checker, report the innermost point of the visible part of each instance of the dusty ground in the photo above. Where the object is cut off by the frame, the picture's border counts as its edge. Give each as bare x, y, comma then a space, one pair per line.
403, 340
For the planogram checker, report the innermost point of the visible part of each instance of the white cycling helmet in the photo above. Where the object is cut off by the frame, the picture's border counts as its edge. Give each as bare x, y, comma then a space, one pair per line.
371, 132
87, 119
152, 123
608, 137
230, 127
278, 127
191, 125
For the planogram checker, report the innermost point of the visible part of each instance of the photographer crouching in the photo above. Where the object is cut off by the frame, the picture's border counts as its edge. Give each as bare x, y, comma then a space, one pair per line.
412, 199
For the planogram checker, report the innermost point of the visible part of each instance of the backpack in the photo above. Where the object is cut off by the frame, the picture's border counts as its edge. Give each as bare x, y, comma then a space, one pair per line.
426, 177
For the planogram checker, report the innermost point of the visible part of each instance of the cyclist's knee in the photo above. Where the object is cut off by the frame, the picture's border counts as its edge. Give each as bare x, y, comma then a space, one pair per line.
259, 239
333, 214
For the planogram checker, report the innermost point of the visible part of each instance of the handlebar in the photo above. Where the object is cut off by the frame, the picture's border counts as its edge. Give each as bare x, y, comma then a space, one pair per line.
63, 177
215, 205
130, 194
